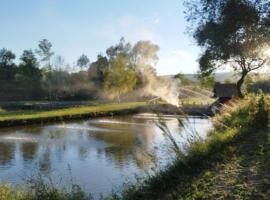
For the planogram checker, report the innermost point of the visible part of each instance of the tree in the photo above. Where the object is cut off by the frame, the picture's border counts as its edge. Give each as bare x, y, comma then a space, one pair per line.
97, 70
232, 33
119, 79
59, 62
7, 73
207, 81
122, 48
29, 75
83, 61
6, 57
45, 52
143, 58
7, 66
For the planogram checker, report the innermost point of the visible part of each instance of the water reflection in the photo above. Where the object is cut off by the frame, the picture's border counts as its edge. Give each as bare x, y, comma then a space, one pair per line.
101, 153
28, 150
7, 153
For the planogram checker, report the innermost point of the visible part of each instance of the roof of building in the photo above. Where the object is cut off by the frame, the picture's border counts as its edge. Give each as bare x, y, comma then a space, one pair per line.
225, 90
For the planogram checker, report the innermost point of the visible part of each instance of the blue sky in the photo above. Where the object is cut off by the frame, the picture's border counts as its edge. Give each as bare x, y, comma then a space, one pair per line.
90, 26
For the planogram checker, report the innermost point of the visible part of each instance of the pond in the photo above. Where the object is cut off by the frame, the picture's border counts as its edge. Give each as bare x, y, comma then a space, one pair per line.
98, 154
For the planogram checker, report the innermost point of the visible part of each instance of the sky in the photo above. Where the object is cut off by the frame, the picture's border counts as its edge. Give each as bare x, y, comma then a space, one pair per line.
76, 27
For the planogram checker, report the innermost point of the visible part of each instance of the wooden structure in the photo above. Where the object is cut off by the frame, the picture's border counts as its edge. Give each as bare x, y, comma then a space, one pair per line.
225, 92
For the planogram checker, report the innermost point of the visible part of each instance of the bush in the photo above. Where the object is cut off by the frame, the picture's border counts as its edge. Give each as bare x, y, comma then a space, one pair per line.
260, 115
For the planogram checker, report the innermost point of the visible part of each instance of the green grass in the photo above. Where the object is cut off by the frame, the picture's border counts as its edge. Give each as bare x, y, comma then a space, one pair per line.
196, 101
81, 110
234, 133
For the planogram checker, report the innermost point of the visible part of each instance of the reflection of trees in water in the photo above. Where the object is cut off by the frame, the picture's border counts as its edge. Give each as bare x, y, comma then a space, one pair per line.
32, 129
128, 142
7, 151
56, 134
83, 152
29, 150
45, 161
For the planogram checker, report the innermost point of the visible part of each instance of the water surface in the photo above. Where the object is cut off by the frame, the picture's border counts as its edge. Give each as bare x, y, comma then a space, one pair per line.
98, 154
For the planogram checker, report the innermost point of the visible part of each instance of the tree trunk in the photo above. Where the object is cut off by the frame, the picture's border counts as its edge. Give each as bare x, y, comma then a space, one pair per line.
240, 83
118, 98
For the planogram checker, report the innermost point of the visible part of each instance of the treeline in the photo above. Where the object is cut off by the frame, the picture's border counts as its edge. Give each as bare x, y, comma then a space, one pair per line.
41, 75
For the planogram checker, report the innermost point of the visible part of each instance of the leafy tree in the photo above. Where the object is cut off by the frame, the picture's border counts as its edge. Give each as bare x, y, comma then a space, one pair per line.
122, 48
6, 57
7, 66
119, 79
83, 61
233, 33
59, 62
29, 75
207, 81
97, 69
45, 52
143, 58
7, 74
144, 51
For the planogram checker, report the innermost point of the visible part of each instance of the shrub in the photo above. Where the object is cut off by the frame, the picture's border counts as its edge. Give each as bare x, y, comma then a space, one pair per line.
260, 116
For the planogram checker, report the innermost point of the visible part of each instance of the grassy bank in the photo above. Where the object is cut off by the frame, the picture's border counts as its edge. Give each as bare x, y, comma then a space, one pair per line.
240, 133
25, 117
17, 114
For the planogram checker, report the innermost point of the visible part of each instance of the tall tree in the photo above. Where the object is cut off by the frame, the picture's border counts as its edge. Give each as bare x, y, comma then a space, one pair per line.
122, 48
120, 79
232, 33
29, 75
97, 70
45, 52
7, 66
83, 61
143, 58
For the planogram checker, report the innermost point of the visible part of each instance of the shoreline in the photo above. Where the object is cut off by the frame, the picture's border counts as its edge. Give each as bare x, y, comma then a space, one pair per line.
94, 111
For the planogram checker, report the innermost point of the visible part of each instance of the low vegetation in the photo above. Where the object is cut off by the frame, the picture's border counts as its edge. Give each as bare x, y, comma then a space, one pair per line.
185, 179
8, 117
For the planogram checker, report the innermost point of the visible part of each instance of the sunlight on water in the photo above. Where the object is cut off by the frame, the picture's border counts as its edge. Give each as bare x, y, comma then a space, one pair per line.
101, 153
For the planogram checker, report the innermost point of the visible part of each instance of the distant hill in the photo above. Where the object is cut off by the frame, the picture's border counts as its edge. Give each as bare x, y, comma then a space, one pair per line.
219, 77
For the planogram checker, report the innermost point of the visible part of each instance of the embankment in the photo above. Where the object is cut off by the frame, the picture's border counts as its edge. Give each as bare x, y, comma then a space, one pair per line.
31, 115
238, 146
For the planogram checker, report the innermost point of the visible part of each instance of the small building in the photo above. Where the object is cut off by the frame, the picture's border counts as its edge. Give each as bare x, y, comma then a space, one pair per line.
225, 92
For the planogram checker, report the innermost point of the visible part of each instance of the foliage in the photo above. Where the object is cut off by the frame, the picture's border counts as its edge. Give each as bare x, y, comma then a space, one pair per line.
261, 113
253, 86
207, 81
42, 75
232, 33
28, 74
83, 61
45, 53
97, 69
119, 79
123, 48
38, 189
143, 58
